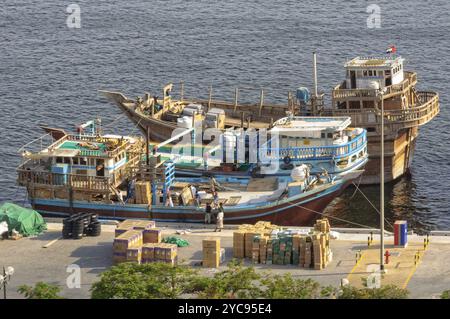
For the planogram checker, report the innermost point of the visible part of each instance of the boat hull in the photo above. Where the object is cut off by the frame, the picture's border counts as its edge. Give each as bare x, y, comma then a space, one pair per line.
399, 152
298, 211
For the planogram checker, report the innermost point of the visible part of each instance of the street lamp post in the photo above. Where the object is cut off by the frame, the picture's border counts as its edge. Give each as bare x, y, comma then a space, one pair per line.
7, 273
382, 270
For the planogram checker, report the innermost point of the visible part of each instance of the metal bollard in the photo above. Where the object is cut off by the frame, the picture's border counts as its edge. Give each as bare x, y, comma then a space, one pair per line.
371, 237
368, 241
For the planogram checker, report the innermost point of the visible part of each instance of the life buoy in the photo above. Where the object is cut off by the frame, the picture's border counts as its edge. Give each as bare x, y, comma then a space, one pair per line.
287, 160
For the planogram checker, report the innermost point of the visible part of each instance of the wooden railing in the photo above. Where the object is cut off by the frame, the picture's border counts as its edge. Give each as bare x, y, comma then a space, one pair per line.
76, 182
413, 116
340, 92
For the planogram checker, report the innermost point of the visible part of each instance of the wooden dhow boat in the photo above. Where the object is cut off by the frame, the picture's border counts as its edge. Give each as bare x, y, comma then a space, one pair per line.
369, 82
114, 176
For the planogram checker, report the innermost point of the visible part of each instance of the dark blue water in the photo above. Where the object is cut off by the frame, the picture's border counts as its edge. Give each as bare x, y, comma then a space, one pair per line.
50, 74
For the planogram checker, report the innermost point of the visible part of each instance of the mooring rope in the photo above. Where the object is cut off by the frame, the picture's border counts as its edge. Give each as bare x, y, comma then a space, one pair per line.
115, 120
333, 217
358, 189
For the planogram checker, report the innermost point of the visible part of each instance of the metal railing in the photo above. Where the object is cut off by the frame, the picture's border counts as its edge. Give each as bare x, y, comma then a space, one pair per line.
320, 152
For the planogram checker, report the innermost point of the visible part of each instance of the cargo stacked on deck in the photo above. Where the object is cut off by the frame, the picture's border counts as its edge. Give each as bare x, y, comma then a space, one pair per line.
143, 193
211, 253
271, 244
140, 241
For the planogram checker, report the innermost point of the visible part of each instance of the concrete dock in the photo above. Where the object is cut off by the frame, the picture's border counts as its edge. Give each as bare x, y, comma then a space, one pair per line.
47, 258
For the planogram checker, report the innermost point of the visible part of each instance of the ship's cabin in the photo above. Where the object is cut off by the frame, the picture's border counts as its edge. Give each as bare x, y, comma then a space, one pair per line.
363, 72
312, 131
83, 155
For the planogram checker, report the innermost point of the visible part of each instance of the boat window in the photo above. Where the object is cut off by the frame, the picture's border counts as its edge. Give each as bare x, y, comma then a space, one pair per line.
59, 160
365, 73
370, 73
75, 161
387, 72
371, 129
322, 135
83, 161
66, 160
330, 135
353, 158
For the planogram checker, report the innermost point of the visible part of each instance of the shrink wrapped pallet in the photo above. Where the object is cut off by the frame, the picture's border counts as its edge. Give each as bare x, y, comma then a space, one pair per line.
263, 250
302, 251
269, 255
296, 249
249, 236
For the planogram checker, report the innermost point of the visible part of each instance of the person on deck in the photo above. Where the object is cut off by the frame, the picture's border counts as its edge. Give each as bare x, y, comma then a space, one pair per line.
220, 215
216, 199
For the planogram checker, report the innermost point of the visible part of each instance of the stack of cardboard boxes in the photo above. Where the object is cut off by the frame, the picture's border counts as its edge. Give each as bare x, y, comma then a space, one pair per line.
211, 253
128, 240
134, 224
139, 241
243, 246
269, 244
159, 252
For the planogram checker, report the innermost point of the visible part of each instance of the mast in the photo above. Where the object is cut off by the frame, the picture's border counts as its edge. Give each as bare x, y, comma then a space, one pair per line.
314, 97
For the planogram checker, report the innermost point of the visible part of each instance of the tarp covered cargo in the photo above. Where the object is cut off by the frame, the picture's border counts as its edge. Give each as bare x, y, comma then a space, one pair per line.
26, 221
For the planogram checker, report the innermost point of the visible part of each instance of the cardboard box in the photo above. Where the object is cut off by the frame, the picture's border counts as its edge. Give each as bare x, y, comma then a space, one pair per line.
152, 235
135, 224
211, 243
143, 192
308, 255
134, 255
129, 239
239, 244
211, 253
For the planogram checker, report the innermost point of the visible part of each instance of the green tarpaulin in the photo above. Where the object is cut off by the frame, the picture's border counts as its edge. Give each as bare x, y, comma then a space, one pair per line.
175, 240
26, 221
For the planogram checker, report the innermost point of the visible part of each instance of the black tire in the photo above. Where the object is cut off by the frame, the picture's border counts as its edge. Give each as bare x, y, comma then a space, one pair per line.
95, 229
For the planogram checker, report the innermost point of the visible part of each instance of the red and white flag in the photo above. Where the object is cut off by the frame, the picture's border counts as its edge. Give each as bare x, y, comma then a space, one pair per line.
391, 49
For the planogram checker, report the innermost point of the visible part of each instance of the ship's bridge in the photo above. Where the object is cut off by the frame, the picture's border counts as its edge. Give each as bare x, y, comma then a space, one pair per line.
364, 72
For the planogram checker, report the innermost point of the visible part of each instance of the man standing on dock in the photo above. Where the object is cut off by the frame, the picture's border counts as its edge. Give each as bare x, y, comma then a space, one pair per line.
219, 222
